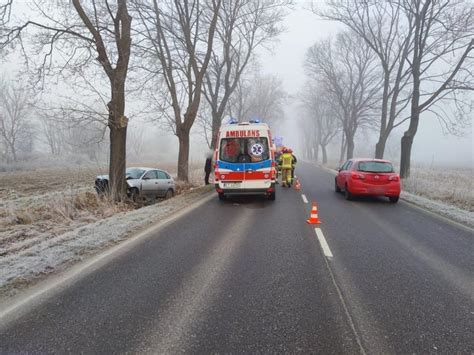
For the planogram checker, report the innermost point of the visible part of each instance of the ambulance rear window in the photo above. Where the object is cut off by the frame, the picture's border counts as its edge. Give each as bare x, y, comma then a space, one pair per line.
244, 150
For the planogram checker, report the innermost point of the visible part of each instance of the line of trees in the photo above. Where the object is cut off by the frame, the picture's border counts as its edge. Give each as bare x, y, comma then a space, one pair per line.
173, 52
23, 125
410, 56
256, 96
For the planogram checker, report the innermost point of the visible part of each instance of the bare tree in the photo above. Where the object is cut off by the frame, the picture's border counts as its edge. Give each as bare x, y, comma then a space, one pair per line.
321, 123
387, 32
310, 115
88, 140
242, 27
258, 96
440, 63
15, 109
205, 123
327, 124
346, 70
52, 134
5, 14
239, 103
100, 30
310, 146
135, 140
178, 37
5, 10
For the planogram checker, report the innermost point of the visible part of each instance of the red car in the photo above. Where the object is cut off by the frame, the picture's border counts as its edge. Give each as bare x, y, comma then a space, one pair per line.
368, 177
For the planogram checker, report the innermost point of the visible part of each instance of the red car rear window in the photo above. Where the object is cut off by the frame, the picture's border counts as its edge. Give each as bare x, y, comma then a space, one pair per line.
375, 167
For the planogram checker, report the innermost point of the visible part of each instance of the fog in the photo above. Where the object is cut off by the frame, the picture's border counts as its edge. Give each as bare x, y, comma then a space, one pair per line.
431, 145
285, 60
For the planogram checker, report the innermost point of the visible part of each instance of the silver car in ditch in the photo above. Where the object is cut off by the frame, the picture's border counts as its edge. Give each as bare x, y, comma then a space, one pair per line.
142, 182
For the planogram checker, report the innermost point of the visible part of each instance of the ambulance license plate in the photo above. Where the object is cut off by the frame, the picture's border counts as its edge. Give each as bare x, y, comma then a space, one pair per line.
233, 185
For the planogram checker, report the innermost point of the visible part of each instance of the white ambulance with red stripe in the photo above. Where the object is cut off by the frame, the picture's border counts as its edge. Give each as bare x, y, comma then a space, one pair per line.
244, 160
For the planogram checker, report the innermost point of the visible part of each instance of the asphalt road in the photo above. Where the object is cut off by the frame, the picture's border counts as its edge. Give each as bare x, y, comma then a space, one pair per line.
250, 276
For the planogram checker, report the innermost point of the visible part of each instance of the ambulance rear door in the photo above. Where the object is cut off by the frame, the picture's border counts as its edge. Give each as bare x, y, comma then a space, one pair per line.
231, 165
259, 163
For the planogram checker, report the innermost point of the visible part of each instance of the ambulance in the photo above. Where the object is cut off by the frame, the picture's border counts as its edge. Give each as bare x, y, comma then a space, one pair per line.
244, 160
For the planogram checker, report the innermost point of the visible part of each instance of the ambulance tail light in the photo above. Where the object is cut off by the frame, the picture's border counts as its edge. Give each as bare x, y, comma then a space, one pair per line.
273, 170
216, 171
219, 190
271, 189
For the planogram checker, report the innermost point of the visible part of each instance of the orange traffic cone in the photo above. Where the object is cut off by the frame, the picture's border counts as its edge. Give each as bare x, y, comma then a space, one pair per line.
313, 218
297, 184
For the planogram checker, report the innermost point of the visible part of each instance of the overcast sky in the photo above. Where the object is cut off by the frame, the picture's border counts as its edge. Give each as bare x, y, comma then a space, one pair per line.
286, 61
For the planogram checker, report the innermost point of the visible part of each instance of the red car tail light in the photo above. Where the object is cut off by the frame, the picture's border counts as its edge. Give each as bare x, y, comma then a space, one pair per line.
393, 178
358, 176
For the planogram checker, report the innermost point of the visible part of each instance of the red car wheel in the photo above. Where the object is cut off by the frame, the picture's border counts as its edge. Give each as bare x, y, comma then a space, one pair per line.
347, 193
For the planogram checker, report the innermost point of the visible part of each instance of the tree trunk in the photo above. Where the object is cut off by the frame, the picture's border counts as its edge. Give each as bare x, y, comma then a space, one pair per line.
308, 150
13, 149
409, 135
380, 147
216, 125
183, 155
308, 145
117, 166
407, 142
316, 152
7, 153
350, 147
118, 140
343, 148
325, 154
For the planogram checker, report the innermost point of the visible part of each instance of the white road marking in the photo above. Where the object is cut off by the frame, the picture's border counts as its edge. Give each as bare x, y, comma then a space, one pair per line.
323, 242
305, 200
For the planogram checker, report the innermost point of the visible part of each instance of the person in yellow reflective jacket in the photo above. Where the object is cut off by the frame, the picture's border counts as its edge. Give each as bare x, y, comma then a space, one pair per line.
286, 167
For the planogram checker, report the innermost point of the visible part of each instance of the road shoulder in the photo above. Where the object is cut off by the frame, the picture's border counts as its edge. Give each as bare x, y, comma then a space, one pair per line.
451, 214
29, 268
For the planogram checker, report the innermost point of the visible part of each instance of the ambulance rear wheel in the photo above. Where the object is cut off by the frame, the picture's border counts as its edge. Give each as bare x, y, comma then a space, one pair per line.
272, 196
221, 196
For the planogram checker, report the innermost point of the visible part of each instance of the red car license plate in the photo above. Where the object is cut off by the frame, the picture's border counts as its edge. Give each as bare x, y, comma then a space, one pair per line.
377, 190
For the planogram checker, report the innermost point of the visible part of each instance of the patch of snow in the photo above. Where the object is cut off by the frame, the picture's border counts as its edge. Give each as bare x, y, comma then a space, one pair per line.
29, 261
448, 211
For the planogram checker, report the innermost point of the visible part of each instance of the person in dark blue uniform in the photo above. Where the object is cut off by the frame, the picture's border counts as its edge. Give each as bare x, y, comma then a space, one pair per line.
208, 169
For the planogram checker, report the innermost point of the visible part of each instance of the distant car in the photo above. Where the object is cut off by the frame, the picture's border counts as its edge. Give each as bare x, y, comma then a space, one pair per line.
368, 177
142, 182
